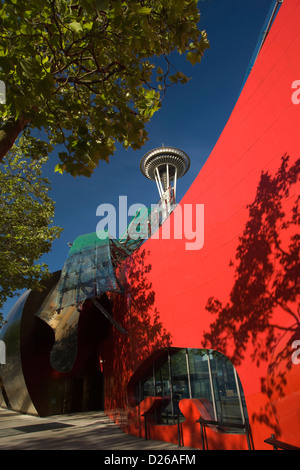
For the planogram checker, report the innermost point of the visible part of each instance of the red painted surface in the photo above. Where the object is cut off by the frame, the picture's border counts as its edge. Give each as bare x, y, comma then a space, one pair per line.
168, 287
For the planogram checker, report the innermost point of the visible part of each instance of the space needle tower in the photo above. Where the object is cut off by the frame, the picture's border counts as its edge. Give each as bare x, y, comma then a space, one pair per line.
165, 165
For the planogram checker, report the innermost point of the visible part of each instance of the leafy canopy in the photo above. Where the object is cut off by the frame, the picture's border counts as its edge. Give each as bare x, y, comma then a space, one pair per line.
26, 213
92, 72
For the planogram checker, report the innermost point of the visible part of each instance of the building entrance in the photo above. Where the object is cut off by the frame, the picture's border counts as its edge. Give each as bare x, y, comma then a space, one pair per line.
85, 391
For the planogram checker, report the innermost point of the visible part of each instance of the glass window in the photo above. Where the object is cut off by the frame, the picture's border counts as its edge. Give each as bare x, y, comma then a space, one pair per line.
163, 389
162, 379
179, 377
159, 392
199, 374
225, 389
148, 389
194, 373
137, 392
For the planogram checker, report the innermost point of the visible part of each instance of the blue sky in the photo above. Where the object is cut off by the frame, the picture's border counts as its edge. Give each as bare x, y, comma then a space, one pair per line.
192, 118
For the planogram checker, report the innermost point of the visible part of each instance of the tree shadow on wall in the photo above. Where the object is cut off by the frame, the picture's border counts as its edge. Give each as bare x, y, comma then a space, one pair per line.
263, 306
137, 313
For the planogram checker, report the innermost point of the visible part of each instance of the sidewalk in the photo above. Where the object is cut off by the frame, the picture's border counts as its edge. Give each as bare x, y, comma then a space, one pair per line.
79, 431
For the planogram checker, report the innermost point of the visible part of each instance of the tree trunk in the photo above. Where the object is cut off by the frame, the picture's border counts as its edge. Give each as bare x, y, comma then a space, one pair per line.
9, 132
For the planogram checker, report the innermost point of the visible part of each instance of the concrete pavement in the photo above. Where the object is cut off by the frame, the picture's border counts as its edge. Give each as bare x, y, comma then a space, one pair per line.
78, 431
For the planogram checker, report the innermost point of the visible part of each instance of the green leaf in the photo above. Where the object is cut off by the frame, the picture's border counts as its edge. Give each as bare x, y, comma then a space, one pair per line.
75, 26
102, 5
193, 57
31, 68
145, 10
59, 168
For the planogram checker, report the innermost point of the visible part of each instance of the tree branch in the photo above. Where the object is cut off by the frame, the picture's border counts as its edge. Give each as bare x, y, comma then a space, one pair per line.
9, 132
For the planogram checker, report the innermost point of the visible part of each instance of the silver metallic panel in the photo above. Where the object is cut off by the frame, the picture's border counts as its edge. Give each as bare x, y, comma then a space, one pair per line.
14, 389
64, 324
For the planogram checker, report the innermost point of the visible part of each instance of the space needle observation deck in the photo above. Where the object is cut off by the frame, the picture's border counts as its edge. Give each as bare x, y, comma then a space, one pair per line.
165, 165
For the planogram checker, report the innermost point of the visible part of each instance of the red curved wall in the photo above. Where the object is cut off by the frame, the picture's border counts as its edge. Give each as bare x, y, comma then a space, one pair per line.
169, 287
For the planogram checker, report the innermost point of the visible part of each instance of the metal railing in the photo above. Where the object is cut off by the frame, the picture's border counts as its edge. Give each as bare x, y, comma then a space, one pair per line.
203, 424
179, 427
221, 425
279, 444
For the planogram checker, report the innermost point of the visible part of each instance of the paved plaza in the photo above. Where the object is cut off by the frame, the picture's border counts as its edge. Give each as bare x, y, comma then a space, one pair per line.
77, 431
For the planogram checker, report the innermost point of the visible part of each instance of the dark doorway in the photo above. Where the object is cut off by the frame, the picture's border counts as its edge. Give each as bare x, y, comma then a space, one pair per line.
85, 383
93, 387
85, 391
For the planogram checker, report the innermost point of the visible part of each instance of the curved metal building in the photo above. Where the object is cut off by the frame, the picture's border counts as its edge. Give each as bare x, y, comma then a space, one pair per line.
52, 360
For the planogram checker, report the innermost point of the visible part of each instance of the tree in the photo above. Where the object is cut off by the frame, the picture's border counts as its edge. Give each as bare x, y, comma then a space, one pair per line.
91, 73
26, 213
